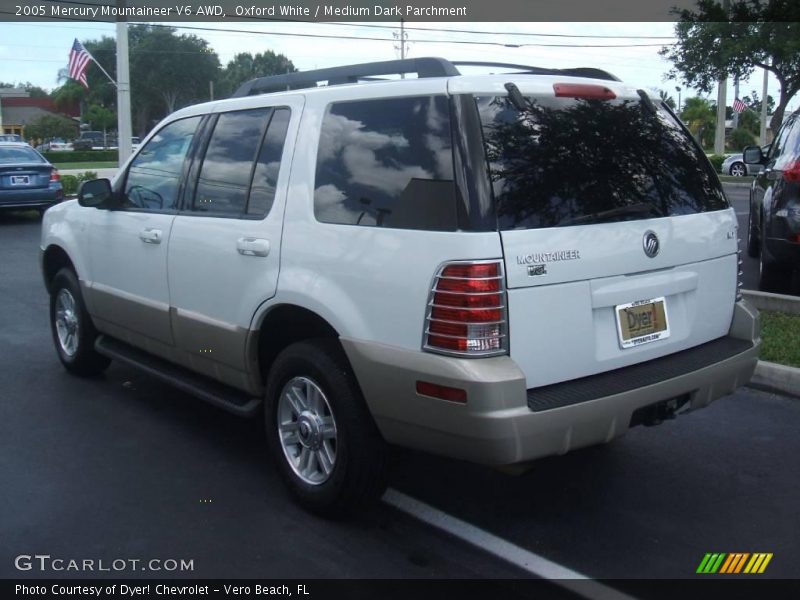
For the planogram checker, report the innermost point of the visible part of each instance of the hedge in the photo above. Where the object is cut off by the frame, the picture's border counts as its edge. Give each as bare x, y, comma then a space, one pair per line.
71, 183
85, 156
717, 160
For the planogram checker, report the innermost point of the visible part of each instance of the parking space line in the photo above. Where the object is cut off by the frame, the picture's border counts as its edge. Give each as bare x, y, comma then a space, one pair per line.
524, 559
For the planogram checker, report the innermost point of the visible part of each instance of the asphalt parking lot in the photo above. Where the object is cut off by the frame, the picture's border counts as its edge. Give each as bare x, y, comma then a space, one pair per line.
126, 467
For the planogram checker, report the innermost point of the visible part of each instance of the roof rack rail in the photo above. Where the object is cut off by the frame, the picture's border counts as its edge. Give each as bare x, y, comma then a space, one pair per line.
589, 72
423, 67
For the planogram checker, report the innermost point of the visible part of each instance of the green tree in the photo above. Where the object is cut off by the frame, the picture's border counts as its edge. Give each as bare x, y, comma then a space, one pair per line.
754, 34
100, 117
700, 116
753, 101
50, 126
750, 120
246, 66
741, 137
68, 94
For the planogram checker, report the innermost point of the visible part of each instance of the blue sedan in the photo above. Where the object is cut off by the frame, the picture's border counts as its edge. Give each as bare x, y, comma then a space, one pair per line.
27, 179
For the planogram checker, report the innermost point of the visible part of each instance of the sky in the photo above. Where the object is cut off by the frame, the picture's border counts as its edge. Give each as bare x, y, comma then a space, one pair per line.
35, 51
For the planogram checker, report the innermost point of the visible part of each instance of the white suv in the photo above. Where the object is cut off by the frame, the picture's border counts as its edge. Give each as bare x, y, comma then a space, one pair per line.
491, 267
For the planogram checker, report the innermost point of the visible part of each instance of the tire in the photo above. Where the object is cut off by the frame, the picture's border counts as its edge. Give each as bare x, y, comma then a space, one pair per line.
753, 244
328, 449
73, 331
738, 169
772, 276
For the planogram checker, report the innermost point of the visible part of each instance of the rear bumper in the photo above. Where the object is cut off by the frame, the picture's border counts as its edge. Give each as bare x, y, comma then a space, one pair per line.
499, 426
36, 198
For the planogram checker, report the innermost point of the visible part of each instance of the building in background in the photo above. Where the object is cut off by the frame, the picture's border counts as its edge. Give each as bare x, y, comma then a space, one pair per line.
18, 109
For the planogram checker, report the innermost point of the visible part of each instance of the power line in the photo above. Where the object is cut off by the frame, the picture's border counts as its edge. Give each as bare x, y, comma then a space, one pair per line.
377, 39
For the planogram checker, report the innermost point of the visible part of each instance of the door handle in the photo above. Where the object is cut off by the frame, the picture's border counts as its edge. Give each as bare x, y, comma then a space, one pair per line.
150, 236
248, 246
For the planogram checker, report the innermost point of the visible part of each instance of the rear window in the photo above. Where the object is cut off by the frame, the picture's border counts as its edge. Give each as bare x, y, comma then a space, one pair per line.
20, 155
566, 161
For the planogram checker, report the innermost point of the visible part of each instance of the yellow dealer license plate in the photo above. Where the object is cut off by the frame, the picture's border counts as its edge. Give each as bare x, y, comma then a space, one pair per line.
642, 322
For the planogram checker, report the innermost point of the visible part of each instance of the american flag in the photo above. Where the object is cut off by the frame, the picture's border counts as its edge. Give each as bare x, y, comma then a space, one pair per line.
79, 58
739, 106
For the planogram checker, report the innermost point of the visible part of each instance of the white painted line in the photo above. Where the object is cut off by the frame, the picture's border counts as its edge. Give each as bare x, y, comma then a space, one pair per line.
528, 561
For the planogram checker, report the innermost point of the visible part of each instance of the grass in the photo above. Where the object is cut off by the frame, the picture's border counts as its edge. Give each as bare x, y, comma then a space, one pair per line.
780, 334
86, 166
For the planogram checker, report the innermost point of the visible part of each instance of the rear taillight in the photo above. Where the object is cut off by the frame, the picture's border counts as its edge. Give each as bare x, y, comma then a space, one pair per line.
467, 310
54, 176
792, 172
583, 90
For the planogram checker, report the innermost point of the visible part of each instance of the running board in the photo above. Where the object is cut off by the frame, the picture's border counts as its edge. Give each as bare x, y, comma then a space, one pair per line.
213, 392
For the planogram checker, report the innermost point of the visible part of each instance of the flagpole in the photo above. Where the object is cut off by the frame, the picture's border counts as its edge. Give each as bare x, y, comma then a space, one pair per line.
99, 66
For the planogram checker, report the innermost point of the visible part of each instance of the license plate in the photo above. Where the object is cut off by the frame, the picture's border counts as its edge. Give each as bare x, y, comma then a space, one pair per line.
19, 180
642, 322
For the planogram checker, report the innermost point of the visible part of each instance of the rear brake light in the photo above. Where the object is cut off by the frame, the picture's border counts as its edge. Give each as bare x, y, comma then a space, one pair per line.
466, 312
54, 176
792, 172
583, 90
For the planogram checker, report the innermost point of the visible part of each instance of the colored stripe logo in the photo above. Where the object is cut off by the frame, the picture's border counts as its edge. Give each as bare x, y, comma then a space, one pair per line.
734, 563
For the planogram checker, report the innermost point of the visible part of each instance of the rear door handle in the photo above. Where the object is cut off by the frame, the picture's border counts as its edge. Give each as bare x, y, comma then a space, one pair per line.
150, 236
248, 246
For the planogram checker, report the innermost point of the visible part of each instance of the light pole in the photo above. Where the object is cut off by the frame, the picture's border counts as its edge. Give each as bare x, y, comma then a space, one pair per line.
678, 89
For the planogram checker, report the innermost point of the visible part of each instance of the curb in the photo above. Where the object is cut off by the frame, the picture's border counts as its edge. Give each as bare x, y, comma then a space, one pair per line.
780, 379
735, 184
773, 302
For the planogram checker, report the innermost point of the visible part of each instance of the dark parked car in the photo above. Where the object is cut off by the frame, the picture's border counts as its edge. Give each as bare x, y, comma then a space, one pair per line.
94, 140
774, 225
27, 179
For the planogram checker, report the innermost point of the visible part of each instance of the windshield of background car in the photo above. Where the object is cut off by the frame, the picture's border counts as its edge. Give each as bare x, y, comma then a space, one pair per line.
19, 155
567, 161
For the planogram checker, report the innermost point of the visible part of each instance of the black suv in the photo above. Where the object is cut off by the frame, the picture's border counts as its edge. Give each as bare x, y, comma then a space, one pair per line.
774, 225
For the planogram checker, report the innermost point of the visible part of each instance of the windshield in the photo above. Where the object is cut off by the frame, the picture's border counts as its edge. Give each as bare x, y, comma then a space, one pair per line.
19, 154
567, 161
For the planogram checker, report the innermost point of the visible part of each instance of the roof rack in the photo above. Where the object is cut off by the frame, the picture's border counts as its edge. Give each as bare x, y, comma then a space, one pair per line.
423, 67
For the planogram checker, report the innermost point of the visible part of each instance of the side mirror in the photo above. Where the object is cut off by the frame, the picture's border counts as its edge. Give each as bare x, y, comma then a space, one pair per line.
95, 193
752, 155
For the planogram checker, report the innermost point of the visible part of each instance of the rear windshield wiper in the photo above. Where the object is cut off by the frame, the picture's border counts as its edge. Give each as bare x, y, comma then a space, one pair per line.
621, 211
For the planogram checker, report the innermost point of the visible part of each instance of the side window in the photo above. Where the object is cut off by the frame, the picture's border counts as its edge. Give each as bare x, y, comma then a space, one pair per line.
154, 176
793, 139
227, 167
265, 176
387, 163
779, 144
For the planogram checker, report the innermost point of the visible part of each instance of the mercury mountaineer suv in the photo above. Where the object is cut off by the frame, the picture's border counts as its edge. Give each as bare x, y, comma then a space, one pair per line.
494, 268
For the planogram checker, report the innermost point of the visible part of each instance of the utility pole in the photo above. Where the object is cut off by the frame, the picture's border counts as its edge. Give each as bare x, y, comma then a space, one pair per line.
722, 88
401, 37
124, 130
762, 134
